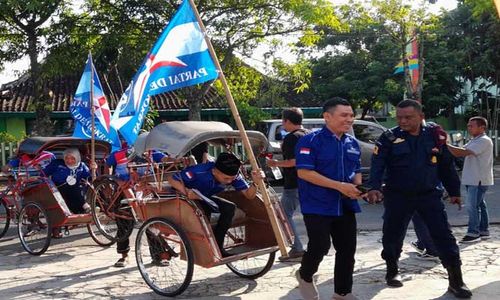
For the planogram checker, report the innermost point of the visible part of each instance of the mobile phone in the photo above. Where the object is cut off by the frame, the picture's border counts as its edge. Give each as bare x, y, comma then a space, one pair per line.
363, 188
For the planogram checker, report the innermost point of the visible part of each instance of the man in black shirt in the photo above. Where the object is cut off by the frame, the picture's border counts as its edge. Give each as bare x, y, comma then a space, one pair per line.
292, 123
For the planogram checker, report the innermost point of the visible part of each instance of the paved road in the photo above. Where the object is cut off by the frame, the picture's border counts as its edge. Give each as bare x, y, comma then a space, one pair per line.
74, 268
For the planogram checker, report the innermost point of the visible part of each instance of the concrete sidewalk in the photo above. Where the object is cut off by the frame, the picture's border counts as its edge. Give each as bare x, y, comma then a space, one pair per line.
74, 268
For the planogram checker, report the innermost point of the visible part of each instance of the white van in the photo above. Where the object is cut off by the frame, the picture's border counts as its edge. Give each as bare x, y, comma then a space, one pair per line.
365, 132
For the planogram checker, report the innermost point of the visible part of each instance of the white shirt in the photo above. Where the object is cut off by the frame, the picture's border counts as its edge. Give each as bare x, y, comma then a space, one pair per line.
478, 167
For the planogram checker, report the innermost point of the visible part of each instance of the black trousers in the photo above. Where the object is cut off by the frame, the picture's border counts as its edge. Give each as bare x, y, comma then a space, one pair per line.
399, 209
156, 244
226, 210
73, 196
323, 231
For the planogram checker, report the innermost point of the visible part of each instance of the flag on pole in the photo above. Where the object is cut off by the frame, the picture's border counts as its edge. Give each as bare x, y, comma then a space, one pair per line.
411, 55
179, 58
81, 110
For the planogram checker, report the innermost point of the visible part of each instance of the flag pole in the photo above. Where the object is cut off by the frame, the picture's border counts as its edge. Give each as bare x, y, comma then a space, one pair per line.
246, 142
92, 113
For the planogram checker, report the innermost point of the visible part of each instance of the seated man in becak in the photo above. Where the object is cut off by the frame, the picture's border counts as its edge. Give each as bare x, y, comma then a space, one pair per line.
212, 178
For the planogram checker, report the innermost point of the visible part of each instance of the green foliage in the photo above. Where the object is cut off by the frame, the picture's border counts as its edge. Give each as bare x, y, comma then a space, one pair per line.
7, 138
150, 119
250, 115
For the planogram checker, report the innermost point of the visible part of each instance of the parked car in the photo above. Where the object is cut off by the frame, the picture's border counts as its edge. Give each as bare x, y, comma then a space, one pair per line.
365, 132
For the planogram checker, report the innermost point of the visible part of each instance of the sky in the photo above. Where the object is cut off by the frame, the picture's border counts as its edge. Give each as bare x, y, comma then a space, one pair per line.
15, 69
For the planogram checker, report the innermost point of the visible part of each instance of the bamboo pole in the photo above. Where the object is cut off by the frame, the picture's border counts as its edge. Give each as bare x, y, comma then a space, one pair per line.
92, 113
246, 142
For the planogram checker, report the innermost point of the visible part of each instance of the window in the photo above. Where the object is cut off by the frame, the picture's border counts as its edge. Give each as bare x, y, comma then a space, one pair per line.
367, 133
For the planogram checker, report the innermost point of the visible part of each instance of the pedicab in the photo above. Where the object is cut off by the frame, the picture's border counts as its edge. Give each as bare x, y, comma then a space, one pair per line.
42, 206
177, 226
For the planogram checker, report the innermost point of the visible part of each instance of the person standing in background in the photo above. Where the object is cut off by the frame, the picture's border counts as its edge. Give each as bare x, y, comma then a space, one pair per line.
477, 176
292, 124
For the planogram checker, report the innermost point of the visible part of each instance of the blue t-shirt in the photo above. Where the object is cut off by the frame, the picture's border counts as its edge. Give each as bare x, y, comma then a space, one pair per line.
200, 177
119, 161
337, 159
61, 174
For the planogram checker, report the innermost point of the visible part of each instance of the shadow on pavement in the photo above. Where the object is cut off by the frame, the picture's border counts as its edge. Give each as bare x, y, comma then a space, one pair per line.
56, 283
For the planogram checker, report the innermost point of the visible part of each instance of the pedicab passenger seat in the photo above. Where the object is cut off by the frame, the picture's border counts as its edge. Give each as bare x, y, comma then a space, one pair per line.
45, 193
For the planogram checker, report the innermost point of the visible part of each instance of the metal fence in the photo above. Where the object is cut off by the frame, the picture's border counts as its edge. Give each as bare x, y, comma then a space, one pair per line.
7, 150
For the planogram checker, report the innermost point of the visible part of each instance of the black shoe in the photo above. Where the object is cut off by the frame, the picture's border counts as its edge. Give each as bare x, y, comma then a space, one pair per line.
456, 284
461, 292
470, 239
417, 247
224, 253
394, 281
392, 277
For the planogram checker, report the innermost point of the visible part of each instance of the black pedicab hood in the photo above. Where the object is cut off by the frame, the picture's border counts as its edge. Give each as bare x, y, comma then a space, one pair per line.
35, 145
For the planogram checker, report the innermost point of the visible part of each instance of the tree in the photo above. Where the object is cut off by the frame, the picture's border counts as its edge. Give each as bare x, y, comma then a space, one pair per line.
25, 22
239, 26
359, 65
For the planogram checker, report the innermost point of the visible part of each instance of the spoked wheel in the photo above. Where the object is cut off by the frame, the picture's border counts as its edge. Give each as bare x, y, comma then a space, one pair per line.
164, 257
113, 220
98, 237
252, 267
34, 229
4, 218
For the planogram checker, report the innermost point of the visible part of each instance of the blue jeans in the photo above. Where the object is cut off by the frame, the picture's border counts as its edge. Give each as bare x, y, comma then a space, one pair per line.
290, 202
476, 207
424, 239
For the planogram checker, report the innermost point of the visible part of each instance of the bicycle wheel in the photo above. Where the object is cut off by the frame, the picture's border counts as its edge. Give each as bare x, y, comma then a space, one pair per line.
4, 218
164, 256
112, 219
251, 267
34, 229
98, 237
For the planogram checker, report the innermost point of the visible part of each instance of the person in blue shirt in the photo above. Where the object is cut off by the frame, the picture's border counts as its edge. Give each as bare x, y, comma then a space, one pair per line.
415, 164
328, 166
212, 178
68, 175
119, 160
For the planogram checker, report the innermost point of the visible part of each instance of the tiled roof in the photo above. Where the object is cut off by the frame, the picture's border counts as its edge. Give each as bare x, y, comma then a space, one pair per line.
17, 96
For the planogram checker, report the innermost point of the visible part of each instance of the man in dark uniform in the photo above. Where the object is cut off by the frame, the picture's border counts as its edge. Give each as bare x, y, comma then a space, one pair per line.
416, 162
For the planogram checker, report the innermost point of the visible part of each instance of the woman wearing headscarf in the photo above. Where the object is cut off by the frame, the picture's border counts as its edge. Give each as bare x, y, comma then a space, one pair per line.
67, 175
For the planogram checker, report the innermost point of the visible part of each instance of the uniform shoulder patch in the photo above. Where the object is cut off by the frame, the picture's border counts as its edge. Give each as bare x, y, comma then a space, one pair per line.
375, 150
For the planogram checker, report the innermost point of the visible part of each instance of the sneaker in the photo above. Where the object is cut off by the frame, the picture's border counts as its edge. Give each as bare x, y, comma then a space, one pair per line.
348, 296
292, 254
122, 262
470, 239
86, 208
426, 256
163, 260
308, 290
485, 236
56, 233
415, 246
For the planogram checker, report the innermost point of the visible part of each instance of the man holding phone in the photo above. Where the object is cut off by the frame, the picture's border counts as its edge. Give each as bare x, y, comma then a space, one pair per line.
328, 165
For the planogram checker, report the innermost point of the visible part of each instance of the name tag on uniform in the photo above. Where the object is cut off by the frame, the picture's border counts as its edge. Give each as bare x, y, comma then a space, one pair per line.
398, 140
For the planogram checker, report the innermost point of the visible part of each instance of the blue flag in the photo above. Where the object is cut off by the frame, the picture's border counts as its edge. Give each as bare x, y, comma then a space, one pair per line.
179, 58
81, 110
